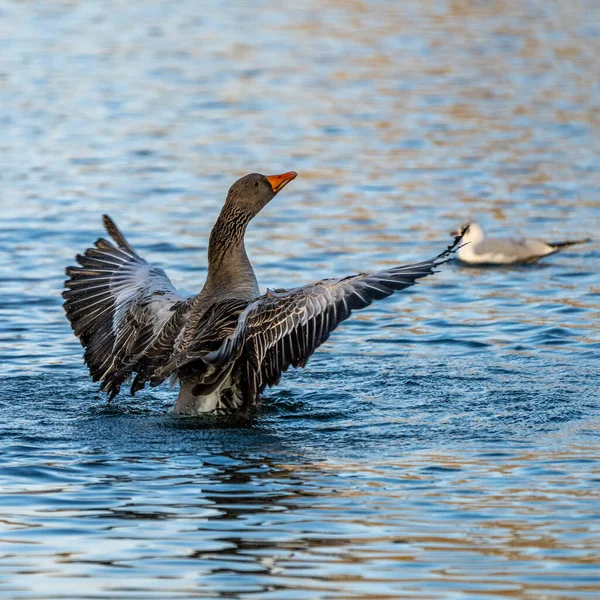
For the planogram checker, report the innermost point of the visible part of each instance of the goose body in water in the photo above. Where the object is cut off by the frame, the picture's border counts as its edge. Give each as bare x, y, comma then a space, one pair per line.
478, 249
229, 342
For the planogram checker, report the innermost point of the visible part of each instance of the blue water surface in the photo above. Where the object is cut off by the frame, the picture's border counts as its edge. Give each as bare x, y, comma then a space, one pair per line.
444, 443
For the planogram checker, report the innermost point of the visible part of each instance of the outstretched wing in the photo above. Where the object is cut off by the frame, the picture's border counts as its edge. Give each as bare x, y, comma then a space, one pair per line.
284, 328
126, 313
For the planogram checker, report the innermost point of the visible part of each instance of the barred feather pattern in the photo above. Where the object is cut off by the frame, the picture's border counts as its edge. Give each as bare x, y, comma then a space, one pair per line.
132, 321
125, 312
204, 336
284, 327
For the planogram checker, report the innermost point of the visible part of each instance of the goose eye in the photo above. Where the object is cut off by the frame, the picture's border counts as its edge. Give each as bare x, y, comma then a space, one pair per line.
256, 184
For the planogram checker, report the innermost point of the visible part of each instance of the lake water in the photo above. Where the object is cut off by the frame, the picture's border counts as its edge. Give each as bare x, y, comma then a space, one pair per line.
444, 443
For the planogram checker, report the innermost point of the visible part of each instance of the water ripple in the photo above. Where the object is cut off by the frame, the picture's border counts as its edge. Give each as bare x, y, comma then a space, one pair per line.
443, 443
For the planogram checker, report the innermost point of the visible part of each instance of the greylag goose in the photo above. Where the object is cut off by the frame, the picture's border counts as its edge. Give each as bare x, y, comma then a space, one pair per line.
229, 342
478, 249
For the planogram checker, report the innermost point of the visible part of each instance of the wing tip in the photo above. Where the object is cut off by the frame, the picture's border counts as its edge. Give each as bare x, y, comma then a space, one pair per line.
448, 254
115, 233
560, 245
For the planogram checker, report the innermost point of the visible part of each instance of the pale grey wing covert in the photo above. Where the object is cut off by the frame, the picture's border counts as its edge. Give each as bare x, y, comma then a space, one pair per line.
514, 249
126, 313
283, 328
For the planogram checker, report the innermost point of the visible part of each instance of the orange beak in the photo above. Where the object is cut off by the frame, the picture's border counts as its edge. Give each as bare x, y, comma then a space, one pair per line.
278, 182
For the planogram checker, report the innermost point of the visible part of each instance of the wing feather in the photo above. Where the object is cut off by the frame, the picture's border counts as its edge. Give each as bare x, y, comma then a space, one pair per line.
126, 313
285, 327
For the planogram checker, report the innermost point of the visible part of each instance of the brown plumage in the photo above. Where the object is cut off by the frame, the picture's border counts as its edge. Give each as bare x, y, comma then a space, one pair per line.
226, 344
